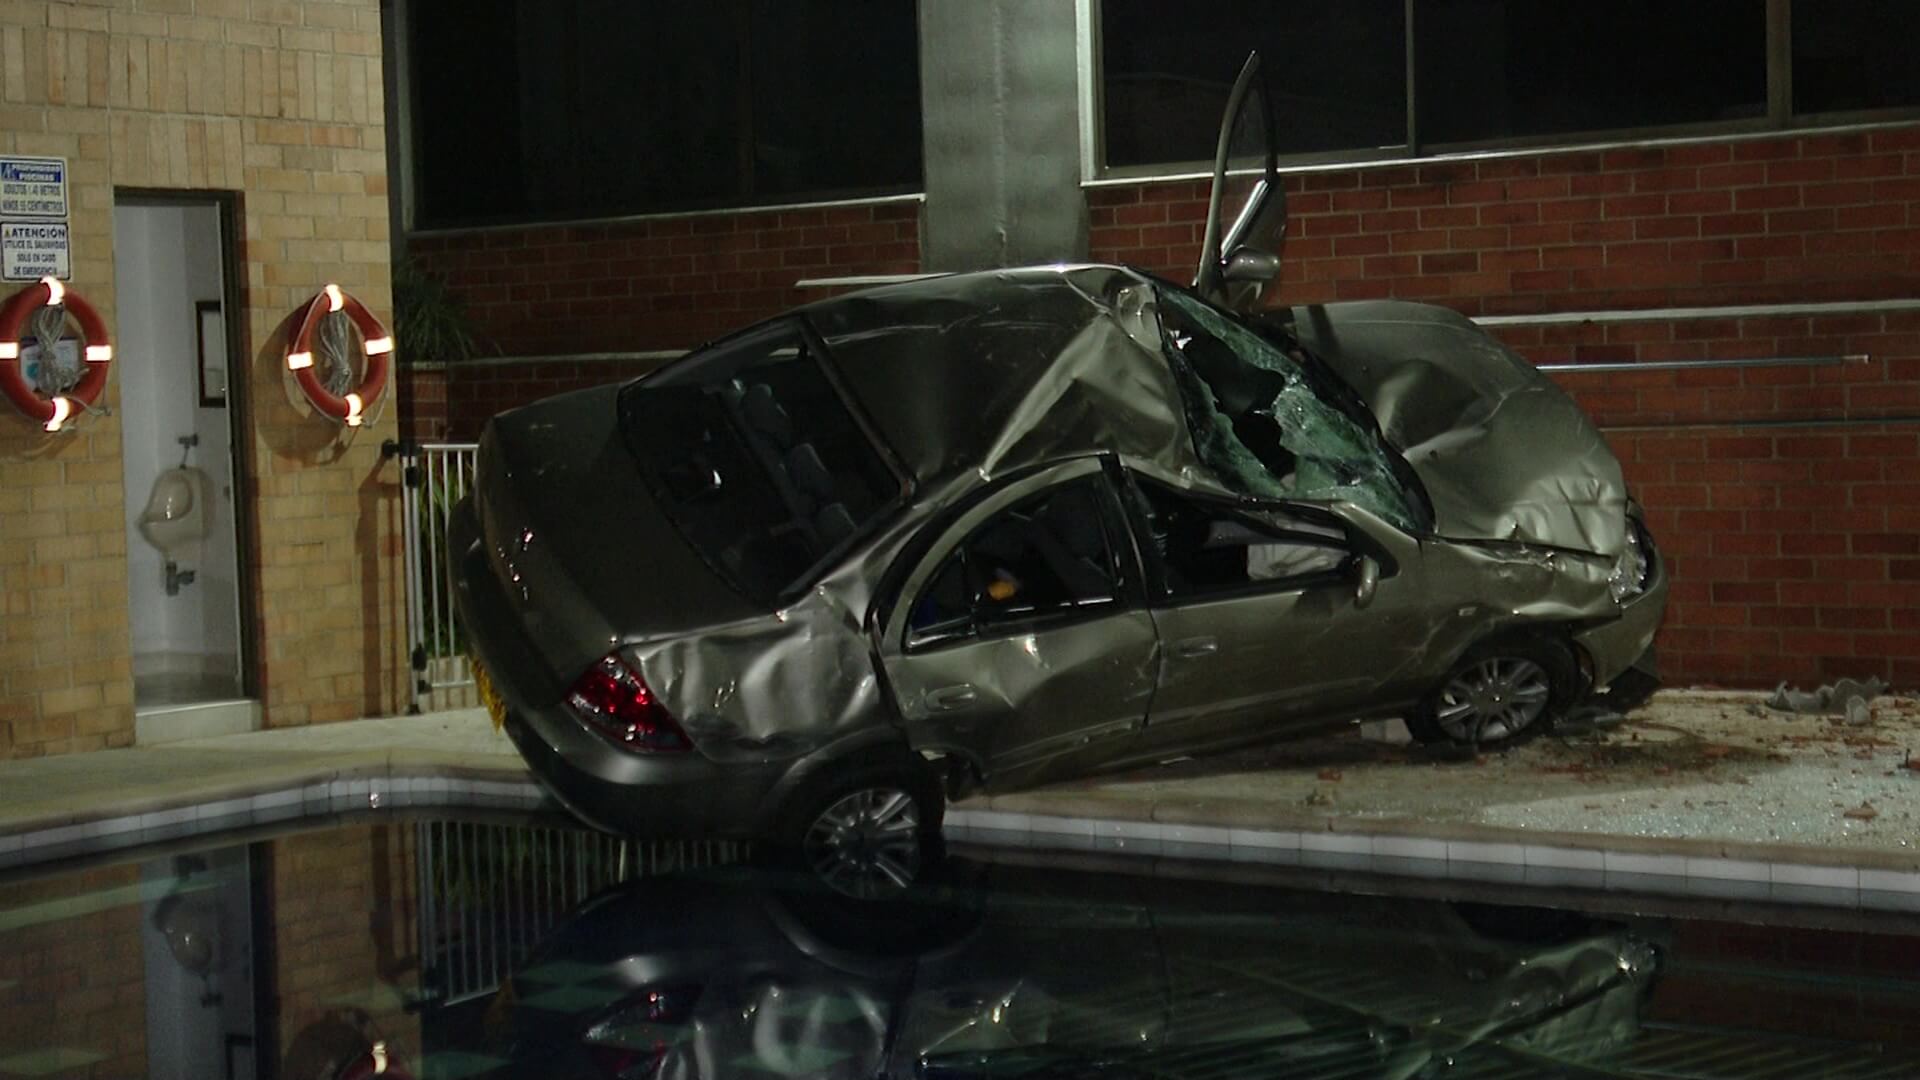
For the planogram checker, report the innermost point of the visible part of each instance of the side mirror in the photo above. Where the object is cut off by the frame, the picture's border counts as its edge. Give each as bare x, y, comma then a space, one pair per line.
1366, 579
1252, 265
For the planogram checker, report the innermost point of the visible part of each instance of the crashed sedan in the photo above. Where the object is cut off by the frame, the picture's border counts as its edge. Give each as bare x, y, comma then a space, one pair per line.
1001, 528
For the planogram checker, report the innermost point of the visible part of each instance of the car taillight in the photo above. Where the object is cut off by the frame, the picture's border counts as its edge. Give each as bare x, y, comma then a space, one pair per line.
613, 701
631, 1042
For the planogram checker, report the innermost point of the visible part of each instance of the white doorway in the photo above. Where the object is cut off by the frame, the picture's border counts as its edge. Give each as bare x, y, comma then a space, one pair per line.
178, 401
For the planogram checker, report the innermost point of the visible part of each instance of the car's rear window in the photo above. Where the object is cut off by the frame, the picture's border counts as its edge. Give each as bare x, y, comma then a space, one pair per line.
755, 457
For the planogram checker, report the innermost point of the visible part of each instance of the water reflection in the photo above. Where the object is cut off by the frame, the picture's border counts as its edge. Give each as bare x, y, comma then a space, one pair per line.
456, 950
1037, 972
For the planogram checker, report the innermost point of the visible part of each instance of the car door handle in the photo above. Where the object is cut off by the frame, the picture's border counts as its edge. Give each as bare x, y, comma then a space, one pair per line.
1195, 647
948, 698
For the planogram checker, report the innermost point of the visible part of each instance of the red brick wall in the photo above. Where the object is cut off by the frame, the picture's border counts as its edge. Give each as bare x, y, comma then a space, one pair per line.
1792, 219
1794, 541
662, 283
1795, 550
640, 286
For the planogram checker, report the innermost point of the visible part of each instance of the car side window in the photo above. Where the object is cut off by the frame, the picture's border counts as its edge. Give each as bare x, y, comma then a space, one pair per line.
1200, 547
1048, 556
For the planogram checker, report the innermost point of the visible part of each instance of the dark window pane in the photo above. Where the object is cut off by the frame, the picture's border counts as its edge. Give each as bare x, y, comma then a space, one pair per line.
530, 111
1861, 54
753, 455
1493, 69
1337, 69
1049, 554
945, 608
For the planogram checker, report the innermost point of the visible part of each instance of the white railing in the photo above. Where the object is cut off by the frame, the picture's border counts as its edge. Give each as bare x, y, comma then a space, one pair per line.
436, 476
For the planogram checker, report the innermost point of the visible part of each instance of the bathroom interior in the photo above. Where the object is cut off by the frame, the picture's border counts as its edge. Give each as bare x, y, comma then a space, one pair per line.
183, 543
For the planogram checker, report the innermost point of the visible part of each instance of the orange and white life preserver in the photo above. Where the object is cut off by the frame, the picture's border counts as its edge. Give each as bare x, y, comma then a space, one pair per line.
53, 412
351, 409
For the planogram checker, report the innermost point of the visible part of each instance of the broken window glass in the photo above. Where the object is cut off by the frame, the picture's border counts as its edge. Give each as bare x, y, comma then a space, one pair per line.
1260, 424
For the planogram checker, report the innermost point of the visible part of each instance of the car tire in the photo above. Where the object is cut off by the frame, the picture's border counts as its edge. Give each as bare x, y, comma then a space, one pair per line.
869, 830
1500, 694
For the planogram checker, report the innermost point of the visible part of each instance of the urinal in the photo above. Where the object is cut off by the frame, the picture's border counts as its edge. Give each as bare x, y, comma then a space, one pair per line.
179, 514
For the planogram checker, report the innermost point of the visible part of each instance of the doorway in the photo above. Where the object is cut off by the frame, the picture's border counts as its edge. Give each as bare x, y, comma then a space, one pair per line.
181, 390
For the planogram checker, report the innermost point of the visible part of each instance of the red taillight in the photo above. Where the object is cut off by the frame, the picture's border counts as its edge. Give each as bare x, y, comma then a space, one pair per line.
614, 701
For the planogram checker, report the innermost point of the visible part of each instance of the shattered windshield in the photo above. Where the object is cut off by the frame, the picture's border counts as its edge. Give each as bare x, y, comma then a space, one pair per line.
1260, 424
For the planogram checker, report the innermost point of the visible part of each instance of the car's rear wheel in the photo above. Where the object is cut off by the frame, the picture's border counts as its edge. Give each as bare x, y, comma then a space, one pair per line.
1500, 693
872, 831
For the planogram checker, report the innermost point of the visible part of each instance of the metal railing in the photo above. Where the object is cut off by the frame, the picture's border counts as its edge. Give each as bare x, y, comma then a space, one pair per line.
490, 893
436, 476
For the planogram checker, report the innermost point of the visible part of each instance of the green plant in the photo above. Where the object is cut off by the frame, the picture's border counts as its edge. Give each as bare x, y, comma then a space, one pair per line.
430, 324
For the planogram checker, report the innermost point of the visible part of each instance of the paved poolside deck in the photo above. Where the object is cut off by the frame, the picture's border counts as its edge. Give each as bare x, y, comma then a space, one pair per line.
1699, 792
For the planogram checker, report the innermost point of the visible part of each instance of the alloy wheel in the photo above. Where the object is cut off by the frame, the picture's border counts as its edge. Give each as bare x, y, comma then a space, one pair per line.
866, 844
1493, 700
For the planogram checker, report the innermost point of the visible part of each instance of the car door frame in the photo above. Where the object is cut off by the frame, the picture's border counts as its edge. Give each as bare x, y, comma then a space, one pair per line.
1249, 720
923, 558
1232, 272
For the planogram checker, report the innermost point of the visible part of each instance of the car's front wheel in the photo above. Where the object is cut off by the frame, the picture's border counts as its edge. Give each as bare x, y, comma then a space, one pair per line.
872, 831
1499, 693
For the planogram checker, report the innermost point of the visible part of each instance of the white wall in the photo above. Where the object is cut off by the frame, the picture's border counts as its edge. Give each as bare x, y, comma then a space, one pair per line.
166, 258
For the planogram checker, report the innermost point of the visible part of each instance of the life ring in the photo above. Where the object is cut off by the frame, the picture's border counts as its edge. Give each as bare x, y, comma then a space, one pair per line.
351, 409
53, 412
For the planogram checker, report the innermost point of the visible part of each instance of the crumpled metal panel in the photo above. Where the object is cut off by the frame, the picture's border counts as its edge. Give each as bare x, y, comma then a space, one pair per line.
1504, 453
778, 686
984, 373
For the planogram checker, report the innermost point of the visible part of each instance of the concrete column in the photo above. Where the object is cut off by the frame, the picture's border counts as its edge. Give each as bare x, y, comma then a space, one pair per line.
1002, 134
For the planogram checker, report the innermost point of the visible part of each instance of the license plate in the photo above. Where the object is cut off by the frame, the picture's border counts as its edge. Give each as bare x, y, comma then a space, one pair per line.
490, 697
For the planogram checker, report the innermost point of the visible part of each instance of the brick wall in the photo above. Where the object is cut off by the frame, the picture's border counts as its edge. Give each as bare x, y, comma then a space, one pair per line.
657, 284
280, 101
1793, 548
76, 978
1792, 219
343, 913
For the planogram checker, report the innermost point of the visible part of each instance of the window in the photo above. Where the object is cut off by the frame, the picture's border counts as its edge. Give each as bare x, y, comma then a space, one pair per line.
1337, 69
1508, 69
1048, 556
757, 460
529, 111
1271, 423
1199, 548
1855, 56
1488, 72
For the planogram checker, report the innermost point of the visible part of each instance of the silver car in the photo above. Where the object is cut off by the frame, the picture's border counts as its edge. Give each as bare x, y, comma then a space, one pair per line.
995, 529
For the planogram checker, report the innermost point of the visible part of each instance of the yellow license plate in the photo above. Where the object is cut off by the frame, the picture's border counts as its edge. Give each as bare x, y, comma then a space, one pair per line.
490, 697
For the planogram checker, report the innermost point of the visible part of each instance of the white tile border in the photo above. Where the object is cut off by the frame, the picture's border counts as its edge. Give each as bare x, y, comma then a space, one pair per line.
1467, 860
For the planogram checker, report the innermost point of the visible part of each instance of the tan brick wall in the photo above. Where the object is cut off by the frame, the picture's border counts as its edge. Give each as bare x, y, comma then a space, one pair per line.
343, 911
75, 979
282, 102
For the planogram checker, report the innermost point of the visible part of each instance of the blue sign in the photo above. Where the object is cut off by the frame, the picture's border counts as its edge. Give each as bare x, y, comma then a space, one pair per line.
33, 187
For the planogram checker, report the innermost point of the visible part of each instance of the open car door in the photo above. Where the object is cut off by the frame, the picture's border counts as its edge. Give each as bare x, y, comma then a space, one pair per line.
1238, 257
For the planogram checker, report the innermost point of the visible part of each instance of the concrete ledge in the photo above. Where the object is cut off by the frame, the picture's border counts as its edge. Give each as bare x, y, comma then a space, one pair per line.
1779, 873
139, 822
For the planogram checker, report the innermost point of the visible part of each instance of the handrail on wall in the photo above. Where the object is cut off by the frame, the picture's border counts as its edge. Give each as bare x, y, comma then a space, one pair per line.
1693, 365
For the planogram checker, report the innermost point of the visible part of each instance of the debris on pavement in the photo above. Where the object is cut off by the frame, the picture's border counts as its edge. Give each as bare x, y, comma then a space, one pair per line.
1589, 720
1835, 697
1863, 812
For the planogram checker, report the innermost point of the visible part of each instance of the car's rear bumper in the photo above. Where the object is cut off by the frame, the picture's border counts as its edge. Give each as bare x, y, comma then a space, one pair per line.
682, 795
657, 795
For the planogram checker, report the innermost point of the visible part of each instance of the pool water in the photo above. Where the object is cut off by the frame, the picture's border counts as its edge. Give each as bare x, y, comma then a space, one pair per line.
528, 948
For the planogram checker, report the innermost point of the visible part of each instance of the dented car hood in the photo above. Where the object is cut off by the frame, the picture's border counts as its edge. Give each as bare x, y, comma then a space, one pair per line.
1504, 453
